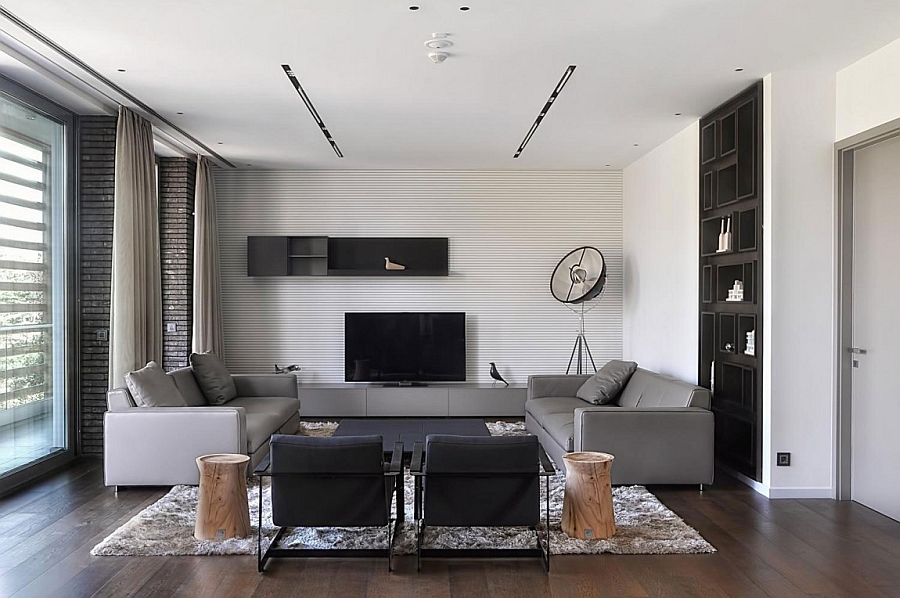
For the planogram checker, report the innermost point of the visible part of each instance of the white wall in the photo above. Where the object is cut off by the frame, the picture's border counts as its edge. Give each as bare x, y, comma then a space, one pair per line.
868, 92
507, 232
800, 262
661, 236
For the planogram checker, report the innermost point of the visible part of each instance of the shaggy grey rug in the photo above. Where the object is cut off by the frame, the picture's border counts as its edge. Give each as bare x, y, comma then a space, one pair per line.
644, 525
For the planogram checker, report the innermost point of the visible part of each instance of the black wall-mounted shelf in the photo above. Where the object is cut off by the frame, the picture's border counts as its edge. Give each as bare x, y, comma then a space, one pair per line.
730, 188
347, 256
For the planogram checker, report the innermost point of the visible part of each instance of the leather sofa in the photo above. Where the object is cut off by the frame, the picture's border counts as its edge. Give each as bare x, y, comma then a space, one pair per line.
661, 431
157, 446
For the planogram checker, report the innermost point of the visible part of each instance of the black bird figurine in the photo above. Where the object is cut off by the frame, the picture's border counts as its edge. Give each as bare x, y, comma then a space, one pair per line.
496, 375
286, 370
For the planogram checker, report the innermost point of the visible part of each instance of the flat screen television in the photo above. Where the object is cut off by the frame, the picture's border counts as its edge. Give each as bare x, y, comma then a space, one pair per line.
405, 347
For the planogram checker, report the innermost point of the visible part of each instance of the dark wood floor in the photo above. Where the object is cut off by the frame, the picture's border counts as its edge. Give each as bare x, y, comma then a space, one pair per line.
766, 548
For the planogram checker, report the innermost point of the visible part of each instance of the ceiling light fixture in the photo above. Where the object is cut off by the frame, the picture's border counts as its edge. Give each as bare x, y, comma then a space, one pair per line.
312, 109
179, 113
545, 109
438, 41
438, 57
678, 114
738, 70
414, 8
464, 8
121, 70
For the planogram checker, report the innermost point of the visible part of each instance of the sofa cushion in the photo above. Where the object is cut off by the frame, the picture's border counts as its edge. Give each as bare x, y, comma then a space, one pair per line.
213, 378
187, 385
557, 416
151, 387
604, 387
265, 415
649, 390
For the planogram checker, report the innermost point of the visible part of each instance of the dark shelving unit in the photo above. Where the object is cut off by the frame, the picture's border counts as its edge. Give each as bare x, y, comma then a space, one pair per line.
730, 188
347, 256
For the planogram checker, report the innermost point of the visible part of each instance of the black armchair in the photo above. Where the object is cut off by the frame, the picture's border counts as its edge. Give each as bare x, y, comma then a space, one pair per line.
334, 482
489, 481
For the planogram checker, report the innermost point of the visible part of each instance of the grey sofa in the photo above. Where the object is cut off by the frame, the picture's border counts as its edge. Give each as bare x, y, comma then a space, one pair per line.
660, 432
157, 446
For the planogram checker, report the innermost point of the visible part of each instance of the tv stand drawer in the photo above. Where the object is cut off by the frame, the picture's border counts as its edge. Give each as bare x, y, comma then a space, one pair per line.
407, 402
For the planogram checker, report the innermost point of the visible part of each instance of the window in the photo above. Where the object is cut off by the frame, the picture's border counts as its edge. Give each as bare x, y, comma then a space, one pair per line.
34, 410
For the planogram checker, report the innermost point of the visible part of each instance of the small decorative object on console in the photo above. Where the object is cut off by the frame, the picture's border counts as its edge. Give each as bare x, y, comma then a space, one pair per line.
288, 369
389, 265
725, 236
750, 348
496, 375
736, 293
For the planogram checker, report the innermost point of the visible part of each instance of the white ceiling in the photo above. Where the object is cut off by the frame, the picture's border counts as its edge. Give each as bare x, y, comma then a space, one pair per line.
364, 65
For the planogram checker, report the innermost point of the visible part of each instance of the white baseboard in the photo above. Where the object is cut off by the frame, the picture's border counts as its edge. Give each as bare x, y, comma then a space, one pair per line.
758, 486
801, 493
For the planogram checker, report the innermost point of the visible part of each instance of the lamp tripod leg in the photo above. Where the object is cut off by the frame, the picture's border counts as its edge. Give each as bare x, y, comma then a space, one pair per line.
572, 356
588, 350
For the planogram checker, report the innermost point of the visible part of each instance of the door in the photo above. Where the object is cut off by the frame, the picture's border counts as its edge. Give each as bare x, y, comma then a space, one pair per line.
875, 417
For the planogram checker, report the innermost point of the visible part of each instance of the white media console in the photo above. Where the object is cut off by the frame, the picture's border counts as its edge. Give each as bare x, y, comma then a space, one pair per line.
434, 400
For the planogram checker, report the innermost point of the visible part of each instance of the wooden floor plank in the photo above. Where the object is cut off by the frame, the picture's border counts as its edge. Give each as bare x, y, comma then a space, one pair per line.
765, 548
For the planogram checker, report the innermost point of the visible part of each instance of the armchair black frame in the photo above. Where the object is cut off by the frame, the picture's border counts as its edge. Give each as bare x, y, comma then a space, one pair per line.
420, 477
393, 470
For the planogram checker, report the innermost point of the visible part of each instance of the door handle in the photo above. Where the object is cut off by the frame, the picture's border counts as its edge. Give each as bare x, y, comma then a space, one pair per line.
857, 351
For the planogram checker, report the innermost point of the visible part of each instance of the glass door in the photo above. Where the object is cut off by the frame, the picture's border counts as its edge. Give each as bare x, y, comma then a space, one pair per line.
34, 411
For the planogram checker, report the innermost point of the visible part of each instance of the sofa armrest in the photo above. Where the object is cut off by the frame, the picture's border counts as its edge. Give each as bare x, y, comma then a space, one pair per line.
265, 385
119, 399
662, 445
555, 385
156, 446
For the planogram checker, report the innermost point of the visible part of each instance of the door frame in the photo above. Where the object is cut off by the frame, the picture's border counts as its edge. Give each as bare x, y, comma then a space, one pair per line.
845, 152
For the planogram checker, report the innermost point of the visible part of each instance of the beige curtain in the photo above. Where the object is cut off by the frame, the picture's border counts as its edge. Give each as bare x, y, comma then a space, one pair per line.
136, 303
208, 334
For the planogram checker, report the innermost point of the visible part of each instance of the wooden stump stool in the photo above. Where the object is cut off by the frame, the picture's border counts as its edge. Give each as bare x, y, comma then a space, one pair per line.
587, 506
222, 509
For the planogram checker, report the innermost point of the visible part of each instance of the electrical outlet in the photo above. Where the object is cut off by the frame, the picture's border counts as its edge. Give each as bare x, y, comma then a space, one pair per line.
171, 327
103, 335
783, 459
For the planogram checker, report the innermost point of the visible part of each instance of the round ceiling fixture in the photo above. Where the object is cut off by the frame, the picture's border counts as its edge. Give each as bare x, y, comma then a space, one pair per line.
438, 57
438, 41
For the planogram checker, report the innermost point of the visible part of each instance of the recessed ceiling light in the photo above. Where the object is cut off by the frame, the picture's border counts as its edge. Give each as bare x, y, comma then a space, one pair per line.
738, 70
635, 145
464, 8
221, 143
121, 70
414, 8
179, 113
609, 164
678, 114
249, 164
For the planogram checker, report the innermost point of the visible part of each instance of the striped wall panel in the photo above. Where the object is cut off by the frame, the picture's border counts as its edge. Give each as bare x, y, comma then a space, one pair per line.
507, 232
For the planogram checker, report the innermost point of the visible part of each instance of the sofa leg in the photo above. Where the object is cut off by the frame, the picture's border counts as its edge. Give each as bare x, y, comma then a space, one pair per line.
701, 487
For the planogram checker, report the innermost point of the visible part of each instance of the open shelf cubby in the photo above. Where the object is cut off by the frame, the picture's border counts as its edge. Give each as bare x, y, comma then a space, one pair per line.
746, 148
727, 134
707, 343
745, 323
746, 230
708, 143
726, 275
706, 282
726, 185
707, 191
727, 342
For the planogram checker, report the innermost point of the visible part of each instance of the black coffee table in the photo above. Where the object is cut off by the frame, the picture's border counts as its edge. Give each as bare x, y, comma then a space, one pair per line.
409, 431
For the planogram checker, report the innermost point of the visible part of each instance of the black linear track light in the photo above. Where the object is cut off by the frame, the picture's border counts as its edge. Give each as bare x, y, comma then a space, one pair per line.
545, 109
312, 109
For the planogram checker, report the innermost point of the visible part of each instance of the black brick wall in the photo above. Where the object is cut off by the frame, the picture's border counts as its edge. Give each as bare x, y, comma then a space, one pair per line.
176, 244
95, 210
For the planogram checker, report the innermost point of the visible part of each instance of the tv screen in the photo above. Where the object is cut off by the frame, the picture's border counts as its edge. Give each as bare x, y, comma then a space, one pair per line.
405, 347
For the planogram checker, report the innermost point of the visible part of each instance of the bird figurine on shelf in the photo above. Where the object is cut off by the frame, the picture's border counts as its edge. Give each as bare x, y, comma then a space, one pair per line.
288, 369
389, 265
496, 375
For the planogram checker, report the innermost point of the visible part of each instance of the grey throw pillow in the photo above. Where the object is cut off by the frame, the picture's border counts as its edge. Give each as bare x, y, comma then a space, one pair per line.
213, 378
603, 387
151, 387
